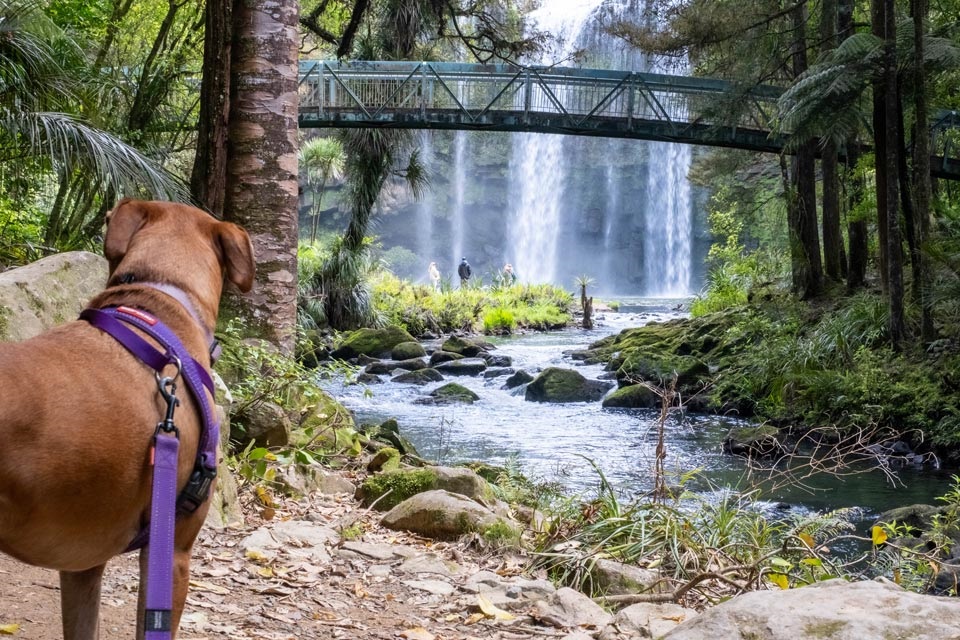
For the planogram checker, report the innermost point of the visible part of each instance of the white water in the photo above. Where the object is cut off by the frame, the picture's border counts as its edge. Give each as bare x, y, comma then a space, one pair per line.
540, 171
457, 213
426, 207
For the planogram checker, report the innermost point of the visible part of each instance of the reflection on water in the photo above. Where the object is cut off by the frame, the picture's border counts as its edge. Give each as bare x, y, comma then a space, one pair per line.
558, 441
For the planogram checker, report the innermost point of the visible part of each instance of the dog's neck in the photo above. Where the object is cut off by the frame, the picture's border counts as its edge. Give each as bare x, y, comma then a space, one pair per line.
181, 296
182, 299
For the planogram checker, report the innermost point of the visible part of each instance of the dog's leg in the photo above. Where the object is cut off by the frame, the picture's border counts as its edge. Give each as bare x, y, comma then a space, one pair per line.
181, 583
80, 603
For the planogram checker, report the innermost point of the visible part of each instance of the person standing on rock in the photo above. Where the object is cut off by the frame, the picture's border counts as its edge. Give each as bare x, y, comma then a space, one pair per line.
464, 271
434, 275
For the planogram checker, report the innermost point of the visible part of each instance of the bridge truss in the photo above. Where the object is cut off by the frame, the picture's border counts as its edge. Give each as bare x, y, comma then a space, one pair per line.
586, 102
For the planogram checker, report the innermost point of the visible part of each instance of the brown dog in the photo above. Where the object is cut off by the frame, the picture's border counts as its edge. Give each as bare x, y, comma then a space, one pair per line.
78, 412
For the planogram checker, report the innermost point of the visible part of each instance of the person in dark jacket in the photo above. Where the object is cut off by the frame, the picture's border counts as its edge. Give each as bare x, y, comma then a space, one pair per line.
464, 271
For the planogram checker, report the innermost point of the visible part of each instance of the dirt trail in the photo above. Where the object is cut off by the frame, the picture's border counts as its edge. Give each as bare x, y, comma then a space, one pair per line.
313, 584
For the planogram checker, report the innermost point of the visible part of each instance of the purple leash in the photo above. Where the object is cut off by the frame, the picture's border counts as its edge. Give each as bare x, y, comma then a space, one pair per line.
165, 504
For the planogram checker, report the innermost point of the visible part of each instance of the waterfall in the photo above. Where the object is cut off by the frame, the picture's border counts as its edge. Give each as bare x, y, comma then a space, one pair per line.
426, 208
458, 189
547, 223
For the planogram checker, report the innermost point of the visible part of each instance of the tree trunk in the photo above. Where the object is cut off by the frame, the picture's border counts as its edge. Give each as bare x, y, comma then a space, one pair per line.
208, 182
809, 281
880, 149
832, 239
896, 324
262, 168
856, 229
922, 186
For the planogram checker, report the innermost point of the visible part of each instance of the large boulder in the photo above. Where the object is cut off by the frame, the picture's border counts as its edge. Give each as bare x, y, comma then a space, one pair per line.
378, 343
443, 356
466, 346
645, 620
421, 376
408, 351
833, 609
441, 515
635, 396
390, 489
48, 292
450, 393
565, 385
462, 367
266, 423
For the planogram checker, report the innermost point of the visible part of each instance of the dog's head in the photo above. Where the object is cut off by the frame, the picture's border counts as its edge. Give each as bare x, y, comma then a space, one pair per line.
179, 245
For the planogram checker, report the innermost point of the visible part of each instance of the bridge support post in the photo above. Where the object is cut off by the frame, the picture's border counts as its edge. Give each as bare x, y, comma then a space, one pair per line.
527, 95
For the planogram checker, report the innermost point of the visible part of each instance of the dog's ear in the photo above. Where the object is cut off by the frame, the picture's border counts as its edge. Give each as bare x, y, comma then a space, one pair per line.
237, 255
122, 224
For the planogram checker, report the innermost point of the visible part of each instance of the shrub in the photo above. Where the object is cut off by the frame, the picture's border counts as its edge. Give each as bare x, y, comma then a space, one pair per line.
498, 320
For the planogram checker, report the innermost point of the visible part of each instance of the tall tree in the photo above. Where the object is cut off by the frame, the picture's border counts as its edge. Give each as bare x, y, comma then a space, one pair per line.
890, 196
833, 254
208, 182
246, 160
261, 192
856, 226
805, 248
921, 172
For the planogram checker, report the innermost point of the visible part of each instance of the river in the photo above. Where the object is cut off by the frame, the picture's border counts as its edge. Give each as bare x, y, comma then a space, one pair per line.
557, 442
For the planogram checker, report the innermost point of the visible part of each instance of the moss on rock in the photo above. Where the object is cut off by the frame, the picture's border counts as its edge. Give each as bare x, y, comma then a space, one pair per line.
372, 342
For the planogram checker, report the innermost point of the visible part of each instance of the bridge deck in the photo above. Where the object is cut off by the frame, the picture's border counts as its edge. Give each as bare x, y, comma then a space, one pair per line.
587, 102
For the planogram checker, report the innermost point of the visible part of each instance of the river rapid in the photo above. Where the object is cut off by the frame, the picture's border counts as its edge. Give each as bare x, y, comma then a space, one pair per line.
563, 442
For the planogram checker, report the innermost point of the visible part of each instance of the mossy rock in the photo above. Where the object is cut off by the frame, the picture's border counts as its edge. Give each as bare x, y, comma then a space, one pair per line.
400, 484
372, 342
412, 364
443, 356
420, 377
388, 432
452, 393
555, 384
659, 368
635, 396
519, 378
465, 346
327, 424
754, 441
443, 515
408, 351
405, 483
387, 459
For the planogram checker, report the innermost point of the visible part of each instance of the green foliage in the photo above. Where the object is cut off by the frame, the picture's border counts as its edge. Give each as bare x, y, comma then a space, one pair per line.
498, 320
258, 372
695, 535
417, 308
733, 270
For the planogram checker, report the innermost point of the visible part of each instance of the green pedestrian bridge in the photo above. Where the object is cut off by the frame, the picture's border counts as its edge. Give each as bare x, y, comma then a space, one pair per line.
583, 102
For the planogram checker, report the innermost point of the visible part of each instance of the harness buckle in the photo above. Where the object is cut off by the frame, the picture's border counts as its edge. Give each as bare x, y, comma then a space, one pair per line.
197, 490
168, 389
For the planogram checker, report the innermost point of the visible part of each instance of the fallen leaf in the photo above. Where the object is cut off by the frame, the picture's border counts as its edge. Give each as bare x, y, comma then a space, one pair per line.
209, 586
474, 618
9, 629
417, 633
878, 535
491, 610
256, 555
265, 572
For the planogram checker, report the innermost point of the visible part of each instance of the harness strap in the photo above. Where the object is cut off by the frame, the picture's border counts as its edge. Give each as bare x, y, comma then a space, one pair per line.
111, 319
158, 608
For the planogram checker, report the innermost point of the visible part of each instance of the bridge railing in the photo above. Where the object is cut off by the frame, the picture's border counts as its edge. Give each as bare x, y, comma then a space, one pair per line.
566, 97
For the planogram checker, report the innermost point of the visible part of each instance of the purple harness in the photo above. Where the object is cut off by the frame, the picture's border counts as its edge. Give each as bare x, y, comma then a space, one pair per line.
165, 503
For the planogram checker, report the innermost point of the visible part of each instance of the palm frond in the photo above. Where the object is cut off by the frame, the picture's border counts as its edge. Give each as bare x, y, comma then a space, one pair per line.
70, 144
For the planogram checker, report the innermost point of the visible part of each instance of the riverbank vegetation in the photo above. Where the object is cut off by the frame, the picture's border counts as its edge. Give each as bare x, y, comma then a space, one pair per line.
381, 298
